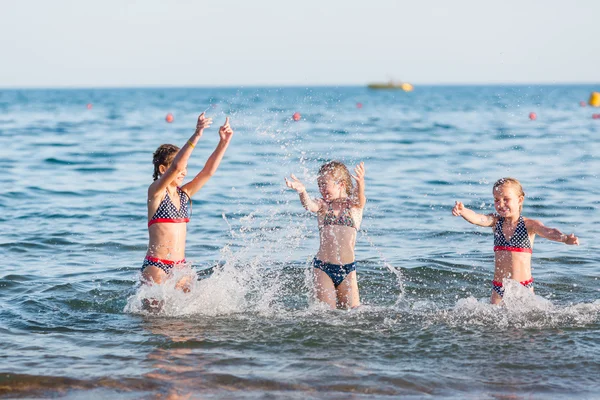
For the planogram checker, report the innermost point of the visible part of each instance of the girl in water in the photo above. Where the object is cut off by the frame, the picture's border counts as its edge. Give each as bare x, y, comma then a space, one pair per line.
339, 214
169, 202
513, 235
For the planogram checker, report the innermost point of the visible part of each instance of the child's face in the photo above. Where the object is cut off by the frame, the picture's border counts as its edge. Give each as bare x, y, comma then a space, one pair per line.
329, 187
507, 200
179, 178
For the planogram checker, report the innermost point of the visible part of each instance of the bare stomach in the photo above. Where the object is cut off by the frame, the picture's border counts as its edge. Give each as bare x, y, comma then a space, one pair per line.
337, 245
167, 241
512, 265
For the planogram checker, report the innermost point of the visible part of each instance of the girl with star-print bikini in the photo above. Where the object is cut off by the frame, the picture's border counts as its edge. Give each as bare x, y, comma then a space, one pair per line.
513, 235
168, 199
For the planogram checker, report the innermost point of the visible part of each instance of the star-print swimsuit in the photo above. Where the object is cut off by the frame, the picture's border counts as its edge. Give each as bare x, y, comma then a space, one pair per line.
168, 213
519, 242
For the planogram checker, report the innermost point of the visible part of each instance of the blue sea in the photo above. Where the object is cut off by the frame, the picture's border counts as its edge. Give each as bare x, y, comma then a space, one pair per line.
74, 234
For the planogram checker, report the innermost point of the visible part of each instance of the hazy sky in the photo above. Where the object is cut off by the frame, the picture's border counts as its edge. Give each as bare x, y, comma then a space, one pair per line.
95, 43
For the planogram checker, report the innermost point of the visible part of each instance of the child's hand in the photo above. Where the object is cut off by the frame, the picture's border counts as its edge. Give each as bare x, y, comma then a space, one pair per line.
359, 170
459, 207
203, 123
225, 132
572, 239
295, 184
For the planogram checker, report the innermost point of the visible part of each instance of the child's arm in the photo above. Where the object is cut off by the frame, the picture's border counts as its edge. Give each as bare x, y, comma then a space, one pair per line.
181, 158
471, 216
307, 202
225, 134
551, 233
360, 198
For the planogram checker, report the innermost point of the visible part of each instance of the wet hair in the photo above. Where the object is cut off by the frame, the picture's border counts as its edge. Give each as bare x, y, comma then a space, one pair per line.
510, 181
164, 155
339, 172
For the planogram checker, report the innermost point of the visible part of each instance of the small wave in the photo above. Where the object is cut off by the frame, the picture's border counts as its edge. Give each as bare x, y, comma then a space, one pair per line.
24, 385
520, 309
444, 126
58, 161
95, 169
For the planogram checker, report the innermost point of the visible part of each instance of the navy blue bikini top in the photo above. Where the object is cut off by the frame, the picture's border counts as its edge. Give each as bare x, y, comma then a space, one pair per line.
343, 219
519, 241
167, 212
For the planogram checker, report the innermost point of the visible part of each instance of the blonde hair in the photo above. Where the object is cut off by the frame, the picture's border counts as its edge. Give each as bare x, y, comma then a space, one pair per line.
339, 172
510, 181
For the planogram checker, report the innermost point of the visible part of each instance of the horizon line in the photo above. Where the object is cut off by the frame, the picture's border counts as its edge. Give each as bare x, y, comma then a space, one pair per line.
276, 86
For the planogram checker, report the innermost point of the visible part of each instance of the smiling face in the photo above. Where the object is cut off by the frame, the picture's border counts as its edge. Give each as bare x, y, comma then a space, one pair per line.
334, 181
179, 178
508, 200
330, 187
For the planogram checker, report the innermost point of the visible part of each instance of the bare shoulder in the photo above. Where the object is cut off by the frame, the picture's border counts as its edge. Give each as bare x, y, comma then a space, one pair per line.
321, 203
490, 219
532, 224
185, 189
356, 207
154, 189
354, 203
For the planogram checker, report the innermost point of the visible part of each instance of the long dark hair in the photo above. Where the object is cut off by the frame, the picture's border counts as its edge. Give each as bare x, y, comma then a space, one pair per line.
164, 155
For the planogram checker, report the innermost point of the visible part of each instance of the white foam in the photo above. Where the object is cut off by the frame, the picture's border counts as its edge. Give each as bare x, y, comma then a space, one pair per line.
521, 308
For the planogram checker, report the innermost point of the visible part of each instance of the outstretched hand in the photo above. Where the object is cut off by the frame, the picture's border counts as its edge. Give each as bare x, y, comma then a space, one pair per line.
225, 131
295, 184
359, 172
572, 239
203, 123
459, 207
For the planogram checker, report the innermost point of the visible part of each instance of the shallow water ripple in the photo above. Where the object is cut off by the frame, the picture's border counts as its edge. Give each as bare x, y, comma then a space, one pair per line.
75, 234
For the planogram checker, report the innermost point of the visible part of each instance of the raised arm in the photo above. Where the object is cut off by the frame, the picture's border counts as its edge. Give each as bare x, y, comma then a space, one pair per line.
471, 216
360, 200
551, 233
225, 134
307, 202
181, 159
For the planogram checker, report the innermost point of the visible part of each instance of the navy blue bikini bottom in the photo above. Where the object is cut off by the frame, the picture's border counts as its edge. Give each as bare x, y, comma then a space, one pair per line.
336, 272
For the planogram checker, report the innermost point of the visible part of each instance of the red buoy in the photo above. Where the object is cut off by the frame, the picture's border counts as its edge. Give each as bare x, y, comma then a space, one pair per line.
532, 116
89, 106
596, 116
169, 118
296, 116
358, 105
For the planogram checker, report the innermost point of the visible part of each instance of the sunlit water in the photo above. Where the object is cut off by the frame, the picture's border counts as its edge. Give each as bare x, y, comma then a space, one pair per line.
74, 235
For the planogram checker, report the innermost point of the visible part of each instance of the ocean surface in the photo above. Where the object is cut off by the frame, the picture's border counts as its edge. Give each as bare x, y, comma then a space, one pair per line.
74, 234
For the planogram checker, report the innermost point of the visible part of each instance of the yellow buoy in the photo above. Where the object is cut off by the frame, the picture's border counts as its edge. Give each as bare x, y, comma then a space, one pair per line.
407, 87
594, 99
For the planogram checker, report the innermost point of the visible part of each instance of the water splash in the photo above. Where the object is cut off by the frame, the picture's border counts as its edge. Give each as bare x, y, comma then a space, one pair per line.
520, 308
395, 271
255, 273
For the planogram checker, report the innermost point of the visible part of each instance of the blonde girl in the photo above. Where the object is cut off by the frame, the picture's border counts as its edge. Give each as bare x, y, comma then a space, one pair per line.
513, 235
339, 214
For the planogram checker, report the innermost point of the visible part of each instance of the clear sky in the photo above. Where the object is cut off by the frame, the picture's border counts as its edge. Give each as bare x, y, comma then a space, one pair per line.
97, 43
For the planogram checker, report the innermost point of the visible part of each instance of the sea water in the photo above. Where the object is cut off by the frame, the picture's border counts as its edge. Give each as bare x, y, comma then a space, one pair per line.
74, 234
